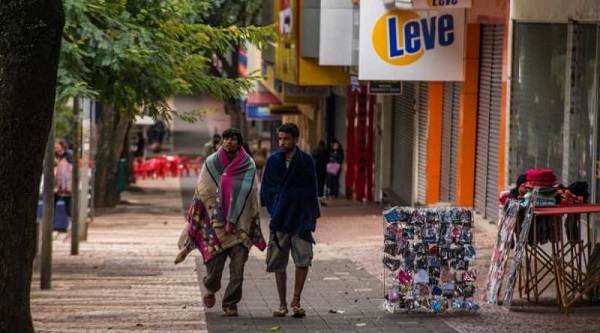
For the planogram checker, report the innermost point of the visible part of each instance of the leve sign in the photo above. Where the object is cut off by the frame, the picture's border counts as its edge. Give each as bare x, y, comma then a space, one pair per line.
441, 4
410, 45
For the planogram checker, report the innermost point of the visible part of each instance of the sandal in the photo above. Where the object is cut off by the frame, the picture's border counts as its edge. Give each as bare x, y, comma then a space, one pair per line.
209, 300
298, 312
280, 313
230, 311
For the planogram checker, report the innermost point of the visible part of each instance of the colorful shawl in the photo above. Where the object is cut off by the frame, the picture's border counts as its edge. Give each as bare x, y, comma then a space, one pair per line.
226, 194
290, 194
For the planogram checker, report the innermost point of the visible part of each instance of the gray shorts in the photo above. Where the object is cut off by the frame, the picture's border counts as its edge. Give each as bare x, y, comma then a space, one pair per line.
277, 260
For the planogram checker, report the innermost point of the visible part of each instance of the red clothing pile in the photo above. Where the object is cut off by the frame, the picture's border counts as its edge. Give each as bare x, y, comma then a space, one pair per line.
543, 178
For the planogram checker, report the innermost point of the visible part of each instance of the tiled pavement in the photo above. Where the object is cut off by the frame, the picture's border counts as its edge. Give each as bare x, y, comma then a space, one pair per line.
338, 297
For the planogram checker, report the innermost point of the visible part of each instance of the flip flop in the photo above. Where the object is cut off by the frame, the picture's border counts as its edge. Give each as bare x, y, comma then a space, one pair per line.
298, 312
280, 313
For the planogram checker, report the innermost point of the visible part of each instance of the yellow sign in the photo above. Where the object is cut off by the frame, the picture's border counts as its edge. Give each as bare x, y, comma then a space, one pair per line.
286, 52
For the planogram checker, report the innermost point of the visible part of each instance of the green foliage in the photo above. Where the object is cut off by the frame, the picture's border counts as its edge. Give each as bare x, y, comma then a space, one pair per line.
224, 13
236, 13
64, 121
135, 54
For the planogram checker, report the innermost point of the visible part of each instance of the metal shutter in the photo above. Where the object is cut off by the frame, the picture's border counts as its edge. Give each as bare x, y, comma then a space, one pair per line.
495, 122
423, 121
456, 88
488, 121
403, 138
450, 130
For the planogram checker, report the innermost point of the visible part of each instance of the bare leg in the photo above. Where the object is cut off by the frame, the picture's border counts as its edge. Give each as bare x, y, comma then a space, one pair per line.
301, 273
281, 280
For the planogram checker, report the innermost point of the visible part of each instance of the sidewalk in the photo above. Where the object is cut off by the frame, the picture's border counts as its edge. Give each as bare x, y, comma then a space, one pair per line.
124, 280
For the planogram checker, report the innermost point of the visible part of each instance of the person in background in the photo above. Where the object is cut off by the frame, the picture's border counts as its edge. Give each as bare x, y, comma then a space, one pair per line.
224, 220
289, 191
140, 145
155, 134
336, 155
212, 146
63, 183
260, 154
321, 157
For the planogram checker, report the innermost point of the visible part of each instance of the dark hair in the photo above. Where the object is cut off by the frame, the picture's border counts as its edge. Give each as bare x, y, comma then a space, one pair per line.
62, 143
231, 132
334, 141
290, 128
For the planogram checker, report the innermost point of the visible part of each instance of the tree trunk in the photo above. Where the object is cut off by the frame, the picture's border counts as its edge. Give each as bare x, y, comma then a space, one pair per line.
29, 51
127, 154
111, 135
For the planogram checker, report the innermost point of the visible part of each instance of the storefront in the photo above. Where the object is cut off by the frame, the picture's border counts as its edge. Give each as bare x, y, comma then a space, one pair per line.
426, 58
554, 90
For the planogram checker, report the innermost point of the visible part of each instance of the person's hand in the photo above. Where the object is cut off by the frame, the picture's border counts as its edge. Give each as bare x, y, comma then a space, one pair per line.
228, 227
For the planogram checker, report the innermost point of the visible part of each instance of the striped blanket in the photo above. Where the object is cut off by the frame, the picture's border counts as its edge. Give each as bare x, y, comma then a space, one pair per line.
225, 204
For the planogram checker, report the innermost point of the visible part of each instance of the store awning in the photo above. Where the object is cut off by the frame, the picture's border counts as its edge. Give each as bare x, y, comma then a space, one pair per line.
143, 120
260, 112
262, 98
283, 109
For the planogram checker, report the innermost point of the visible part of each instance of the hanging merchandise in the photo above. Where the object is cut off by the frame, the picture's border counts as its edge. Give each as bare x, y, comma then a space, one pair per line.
429, 259
520, 249
508, 219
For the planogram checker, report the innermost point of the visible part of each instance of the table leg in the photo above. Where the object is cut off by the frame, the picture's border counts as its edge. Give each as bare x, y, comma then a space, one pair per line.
535, 259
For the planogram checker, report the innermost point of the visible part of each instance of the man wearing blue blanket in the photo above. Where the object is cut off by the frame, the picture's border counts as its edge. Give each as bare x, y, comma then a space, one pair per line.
289, 191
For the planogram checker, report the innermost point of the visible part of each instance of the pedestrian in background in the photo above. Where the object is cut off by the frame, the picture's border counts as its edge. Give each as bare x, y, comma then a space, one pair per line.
156, 133
140, 145
63, 182
289, 191
334, 168
259, 154
321, 157
212, 146
224, 219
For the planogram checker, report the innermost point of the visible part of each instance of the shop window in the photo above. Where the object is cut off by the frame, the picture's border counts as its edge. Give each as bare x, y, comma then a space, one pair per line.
538, 96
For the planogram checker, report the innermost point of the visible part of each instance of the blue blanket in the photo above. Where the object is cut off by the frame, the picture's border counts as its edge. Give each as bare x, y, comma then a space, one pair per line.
290, 194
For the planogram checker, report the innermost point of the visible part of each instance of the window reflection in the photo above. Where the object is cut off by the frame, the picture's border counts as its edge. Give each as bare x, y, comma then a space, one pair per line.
538, 97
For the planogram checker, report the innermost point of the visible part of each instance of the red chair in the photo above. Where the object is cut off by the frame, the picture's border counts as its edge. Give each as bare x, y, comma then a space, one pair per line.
157, 167
184, 166
163, 167
173, 165
195, 164
140, 168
